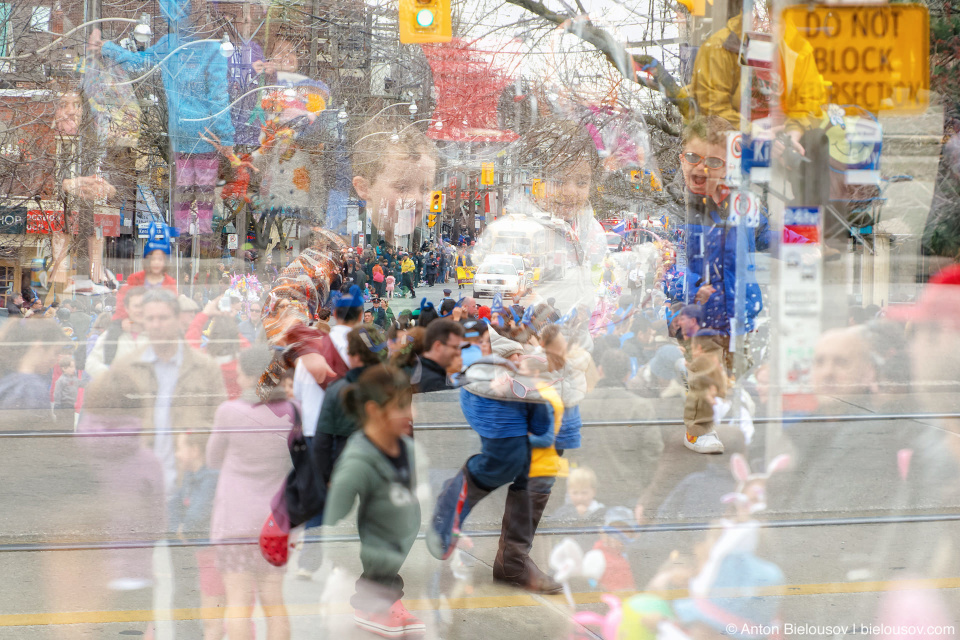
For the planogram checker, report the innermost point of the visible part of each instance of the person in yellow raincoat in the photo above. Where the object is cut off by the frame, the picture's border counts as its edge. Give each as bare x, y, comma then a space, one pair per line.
794, 80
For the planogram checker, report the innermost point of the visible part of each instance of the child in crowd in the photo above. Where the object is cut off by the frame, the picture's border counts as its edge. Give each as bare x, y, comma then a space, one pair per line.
65, 391
190, 510
391, 284
377, 467
253, 461
707, 381
618, 533
581, 496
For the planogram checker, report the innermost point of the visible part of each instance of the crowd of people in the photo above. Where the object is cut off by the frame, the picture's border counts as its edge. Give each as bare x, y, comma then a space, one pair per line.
188, 393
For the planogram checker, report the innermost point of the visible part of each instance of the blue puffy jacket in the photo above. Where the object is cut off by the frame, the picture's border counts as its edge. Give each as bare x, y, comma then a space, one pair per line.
569, 435
716, 263
505, 418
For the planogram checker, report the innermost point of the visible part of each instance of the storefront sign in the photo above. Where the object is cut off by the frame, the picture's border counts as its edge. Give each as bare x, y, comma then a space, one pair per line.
13, 220
108, 223
45, 222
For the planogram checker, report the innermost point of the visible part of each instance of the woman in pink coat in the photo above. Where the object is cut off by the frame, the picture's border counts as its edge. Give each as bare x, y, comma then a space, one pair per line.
252, 467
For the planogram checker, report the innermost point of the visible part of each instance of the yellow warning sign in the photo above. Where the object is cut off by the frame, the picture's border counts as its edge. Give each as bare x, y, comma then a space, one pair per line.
876, 57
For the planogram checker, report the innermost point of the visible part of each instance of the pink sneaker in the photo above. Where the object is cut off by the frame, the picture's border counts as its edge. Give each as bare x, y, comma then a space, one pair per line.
396, 622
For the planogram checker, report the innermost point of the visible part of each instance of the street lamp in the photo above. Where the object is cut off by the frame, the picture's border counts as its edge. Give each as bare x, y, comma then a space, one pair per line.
289, 92
342, 117
226, 47
142, 33
413, 109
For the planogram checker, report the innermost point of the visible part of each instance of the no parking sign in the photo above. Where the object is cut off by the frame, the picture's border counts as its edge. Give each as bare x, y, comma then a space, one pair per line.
744, 206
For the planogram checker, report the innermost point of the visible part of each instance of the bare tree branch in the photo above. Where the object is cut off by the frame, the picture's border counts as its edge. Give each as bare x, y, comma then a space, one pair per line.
625, 63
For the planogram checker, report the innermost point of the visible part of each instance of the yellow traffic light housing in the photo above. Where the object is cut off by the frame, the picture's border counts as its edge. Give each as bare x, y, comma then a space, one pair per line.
654, 183
537, 189
436, 202
425, 21
431, 220
635, 179
486, 173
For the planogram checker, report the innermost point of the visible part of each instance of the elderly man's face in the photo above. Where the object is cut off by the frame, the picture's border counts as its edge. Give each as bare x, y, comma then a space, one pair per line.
842, 364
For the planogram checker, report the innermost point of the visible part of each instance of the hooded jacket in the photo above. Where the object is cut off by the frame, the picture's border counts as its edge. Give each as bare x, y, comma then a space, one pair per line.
389, 515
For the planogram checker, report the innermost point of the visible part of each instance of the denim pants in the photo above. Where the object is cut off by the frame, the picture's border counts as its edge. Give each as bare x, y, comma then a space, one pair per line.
501, 461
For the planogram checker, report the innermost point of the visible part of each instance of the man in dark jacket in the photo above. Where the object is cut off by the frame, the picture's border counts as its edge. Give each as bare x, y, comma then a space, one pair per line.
430, 269
366, 347
441, 348
379, 315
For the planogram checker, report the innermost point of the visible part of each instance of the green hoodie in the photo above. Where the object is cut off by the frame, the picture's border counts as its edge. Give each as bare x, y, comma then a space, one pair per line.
388, 518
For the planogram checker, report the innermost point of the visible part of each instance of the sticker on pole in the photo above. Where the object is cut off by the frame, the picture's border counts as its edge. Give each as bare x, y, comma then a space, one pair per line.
875, 57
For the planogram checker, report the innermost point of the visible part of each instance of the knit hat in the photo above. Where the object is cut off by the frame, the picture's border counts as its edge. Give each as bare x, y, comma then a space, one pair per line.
352, 299
187, 304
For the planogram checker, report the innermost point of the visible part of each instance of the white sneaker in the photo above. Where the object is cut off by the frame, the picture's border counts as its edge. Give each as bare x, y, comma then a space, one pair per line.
707, 443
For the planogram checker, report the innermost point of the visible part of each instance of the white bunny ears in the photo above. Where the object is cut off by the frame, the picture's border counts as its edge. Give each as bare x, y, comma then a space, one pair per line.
568, 560
750, 496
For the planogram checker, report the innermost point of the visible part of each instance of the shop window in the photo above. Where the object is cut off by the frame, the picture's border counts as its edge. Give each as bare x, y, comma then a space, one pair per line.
6, 284
40, 19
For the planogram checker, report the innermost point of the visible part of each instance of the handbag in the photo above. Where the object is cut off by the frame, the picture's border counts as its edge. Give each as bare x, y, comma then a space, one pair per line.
303, 493
301, 497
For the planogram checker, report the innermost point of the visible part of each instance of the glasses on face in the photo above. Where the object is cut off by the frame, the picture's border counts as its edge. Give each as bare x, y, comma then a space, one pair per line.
711, 162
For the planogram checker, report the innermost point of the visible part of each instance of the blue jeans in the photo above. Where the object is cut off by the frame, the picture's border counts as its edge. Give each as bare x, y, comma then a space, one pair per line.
501, 461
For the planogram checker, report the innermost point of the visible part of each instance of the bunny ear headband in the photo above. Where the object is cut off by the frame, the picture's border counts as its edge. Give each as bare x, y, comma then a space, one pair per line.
741, 469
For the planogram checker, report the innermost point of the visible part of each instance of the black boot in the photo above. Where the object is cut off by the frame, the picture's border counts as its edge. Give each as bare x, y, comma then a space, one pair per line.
513, 564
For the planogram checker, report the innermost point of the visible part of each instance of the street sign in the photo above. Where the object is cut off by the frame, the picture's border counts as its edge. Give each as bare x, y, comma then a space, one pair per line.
232, 241
800, 300
746, 209
734, 152
876, 57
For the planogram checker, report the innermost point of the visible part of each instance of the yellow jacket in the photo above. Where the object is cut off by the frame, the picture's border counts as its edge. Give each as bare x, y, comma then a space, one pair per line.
546, 463
407, 265
715, 84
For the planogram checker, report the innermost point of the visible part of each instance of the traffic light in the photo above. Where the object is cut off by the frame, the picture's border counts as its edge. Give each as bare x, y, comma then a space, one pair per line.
654, 183
486, 173
436, 202
431, 220
635, 179
537, 189
425, 21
